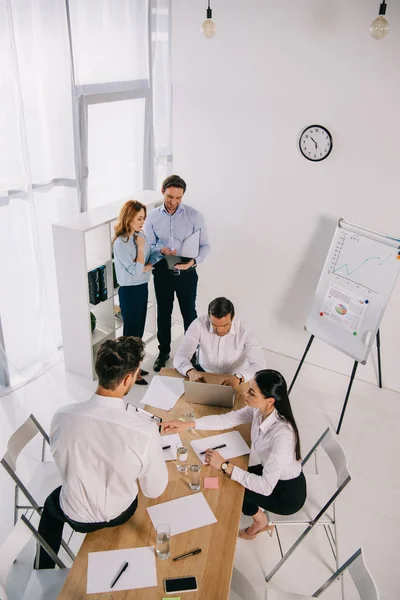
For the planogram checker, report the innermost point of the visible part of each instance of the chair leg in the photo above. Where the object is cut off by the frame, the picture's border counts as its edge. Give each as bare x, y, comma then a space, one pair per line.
289, 552
331, 540
15, 505
279, 541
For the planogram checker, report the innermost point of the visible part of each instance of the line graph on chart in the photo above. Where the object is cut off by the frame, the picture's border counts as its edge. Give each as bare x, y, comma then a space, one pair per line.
365, 263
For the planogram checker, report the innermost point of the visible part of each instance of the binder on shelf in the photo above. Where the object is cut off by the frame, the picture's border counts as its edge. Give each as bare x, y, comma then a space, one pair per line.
103, 282
94, 286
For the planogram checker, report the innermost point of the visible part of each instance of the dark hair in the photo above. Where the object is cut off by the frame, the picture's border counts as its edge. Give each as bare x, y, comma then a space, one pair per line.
117, 358
221, 307
173, 181
273, 385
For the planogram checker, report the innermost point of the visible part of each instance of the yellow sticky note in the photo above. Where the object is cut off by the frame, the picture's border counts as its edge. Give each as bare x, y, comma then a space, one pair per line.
173, 598
180, 419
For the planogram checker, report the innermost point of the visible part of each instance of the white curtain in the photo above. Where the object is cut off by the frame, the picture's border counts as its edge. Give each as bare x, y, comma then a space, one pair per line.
53, 54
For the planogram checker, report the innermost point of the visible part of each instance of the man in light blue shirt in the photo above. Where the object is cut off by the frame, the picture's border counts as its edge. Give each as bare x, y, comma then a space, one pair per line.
166, 228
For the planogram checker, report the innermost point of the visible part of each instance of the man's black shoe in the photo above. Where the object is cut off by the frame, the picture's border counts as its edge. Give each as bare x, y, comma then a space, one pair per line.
160, 362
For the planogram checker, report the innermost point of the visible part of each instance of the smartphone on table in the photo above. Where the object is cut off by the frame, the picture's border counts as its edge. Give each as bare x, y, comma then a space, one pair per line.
180, 584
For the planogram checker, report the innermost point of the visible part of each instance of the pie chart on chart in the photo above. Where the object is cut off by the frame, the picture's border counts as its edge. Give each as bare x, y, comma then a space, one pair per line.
341, 309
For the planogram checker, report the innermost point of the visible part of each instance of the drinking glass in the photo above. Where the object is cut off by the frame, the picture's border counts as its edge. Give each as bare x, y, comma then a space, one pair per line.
194, 477
105, 597
181, 459
163, 534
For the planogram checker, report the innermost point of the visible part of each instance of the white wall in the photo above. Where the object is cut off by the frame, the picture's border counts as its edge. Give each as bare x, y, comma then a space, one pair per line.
240, 101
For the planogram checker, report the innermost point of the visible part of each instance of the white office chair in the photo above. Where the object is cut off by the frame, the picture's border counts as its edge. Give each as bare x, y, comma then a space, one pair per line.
319, 508
45, 477
44, 584
358, 571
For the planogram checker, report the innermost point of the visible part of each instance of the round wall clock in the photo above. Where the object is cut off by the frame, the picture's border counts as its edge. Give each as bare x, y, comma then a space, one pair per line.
315, 143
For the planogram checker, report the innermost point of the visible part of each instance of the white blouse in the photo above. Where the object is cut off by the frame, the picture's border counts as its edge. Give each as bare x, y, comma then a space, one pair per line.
273, 440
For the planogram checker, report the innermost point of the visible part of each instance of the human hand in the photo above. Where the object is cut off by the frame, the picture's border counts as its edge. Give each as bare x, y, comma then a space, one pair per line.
214, 459
140, 241
147, 267
195, 375
184, 266
167, 251
231, 380
176, 426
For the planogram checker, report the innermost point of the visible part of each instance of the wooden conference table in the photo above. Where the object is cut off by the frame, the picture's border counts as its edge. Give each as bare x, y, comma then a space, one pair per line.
213, 566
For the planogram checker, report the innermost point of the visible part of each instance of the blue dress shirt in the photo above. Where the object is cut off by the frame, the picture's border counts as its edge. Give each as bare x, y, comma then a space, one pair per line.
165, 230
127, 270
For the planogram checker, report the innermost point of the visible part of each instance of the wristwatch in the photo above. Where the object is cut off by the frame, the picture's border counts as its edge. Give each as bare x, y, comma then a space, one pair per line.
240, 377
224, 467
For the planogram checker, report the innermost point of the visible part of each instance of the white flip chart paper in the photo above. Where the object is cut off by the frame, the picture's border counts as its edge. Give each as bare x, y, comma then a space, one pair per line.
235, 445
103, 567
163, 392
183, 514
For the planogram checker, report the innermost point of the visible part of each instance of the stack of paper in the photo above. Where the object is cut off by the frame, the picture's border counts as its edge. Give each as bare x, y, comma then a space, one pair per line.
235, 445
183, 514
163, 392
173, 440
103, 567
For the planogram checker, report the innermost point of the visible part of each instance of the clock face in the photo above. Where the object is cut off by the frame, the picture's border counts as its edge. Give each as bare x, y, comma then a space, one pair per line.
315, 143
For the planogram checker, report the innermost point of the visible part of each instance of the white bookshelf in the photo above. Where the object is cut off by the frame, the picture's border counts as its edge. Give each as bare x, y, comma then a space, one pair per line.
82, 244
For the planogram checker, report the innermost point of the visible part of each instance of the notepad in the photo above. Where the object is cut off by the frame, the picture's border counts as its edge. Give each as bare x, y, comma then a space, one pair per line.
183, 514
211, 483
173, 440
103, 566
163, 392
235, 445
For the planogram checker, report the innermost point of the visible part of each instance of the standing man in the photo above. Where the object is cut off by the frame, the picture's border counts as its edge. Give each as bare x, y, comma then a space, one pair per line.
166, 229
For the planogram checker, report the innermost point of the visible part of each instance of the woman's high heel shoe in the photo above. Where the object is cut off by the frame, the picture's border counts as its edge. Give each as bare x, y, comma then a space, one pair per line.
245, 536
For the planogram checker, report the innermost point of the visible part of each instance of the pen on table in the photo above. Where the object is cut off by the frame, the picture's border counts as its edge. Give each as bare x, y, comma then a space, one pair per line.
192, 553
166, 447
118, 575
215, 448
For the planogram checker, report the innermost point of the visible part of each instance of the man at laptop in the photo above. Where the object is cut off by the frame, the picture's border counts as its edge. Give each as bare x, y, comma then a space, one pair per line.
167, 228
224, 345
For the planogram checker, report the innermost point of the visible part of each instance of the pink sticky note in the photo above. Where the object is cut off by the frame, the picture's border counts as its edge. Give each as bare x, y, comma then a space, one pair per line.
211, 483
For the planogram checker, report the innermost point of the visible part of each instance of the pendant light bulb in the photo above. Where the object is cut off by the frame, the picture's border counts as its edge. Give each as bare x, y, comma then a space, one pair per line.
380, 26
208, 28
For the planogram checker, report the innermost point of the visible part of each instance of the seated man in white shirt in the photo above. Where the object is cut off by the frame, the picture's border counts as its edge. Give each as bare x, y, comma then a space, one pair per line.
102, 450
225, 346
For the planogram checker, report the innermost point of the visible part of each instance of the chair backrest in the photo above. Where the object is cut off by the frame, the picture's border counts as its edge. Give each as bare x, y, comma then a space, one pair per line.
335, 453
20, 438
360, 575
22, 532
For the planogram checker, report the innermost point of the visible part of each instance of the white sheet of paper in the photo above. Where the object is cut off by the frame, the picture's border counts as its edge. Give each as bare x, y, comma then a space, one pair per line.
183, 514
235, 445
163, 392
173, 440
103, 566
191, 246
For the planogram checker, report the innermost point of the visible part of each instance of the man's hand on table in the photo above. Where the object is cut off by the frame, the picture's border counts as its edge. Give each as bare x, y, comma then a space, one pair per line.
231, 380
194, 375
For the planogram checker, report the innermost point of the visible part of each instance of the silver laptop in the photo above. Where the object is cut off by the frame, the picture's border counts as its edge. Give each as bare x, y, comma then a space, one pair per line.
210, 393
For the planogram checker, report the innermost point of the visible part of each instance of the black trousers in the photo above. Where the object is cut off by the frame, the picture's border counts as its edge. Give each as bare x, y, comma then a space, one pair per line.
288, 496
133, 303
166, 285
52, 524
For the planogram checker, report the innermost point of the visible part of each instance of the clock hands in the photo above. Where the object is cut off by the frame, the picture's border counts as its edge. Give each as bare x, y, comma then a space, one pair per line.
316, 145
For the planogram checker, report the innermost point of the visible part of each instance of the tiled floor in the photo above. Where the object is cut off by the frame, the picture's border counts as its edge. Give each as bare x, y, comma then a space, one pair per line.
368, 511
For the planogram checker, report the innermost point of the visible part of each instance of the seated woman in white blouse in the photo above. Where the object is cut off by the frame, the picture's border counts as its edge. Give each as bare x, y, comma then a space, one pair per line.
278, 483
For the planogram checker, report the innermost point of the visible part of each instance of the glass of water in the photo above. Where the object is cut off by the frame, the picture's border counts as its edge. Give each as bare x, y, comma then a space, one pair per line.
194, 477
163, 534
181, 459
189, 415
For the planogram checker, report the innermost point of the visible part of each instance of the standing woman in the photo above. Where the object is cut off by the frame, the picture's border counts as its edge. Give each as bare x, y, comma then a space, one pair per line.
278, 483
133, 263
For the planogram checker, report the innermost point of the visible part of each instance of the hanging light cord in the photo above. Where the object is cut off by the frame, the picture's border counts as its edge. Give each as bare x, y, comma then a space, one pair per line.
209, 11
382, 8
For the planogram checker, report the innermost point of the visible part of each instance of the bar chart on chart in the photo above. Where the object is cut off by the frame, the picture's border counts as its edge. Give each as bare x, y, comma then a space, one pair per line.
365, 263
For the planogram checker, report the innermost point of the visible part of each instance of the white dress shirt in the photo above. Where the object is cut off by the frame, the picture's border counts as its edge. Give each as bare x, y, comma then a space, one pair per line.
273, 440
236, 352
102, 450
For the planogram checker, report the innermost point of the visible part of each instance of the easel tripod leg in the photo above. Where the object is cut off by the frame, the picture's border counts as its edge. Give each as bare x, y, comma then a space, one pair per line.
378, 347
353, 374
310, 341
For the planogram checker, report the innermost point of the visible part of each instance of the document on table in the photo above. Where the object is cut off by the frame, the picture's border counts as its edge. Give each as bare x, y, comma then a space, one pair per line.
235, 445
183, 514
103, 567
163, 392
173, 440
